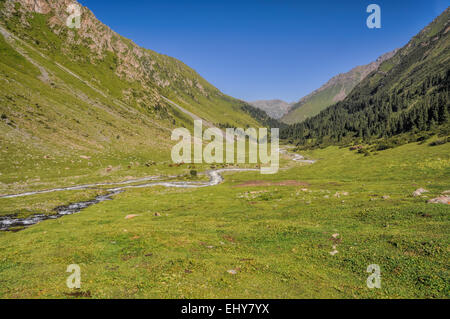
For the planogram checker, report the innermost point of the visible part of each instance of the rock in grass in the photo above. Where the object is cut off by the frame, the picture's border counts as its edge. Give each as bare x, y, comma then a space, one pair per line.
440, 200
419, 192
131, 216
232, 272
339, 194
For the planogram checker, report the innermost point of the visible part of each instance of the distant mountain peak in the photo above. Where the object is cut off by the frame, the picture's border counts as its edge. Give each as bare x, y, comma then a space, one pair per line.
275, 108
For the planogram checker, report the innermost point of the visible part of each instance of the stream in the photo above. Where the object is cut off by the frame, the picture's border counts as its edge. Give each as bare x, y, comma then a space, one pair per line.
8, 223
12, 223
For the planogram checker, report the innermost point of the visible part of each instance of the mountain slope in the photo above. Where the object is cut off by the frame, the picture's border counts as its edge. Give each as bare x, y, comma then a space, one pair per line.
89, 93
333, 91
276, 109
114, 64
408, 93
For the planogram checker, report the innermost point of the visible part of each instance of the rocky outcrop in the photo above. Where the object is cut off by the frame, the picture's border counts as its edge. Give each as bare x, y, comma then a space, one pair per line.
133, 63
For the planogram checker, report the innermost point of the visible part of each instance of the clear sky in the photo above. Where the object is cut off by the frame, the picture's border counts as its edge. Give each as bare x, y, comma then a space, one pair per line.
266, 49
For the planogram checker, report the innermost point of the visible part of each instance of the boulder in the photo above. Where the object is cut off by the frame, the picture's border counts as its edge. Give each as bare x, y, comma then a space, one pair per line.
419, 192
440, 200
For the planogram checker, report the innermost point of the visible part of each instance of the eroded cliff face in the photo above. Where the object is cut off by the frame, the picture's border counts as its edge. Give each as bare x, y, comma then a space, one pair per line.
133, 63
39, 6
66, 89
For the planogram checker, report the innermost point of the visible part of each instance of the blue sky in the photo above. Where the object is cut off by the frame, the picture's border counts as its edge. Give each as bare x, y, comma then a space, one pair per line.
266, 49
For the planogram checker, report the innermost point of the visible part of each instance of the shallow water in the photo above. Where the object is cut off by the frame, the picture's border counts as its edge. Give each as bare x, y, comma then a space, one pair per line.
84, 187
215, 178
10, 222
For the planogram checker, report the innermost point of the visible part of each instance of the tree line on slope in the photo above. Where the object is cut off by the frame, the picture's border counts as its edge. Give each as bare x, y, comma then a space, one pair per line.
410, 93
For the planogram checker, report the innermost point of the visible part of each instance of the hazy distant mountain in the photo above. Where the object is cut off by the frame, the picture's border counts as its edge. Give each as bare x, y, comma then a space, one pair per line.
276, 109
332, 92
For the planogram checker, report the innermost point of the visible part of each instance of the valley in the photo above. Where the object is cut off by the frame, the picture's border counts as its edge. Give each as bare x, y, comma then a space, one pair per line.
213, 241
88, 178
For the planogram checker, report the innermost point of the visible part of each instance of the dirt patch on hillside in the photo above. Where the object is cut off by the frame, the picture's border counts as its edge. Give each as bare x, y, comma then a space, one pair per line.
267, 183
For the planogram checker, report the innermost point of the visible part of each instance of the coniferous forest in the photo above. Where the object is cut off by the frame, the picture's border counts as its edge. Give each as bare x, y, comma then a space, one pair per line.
408, 93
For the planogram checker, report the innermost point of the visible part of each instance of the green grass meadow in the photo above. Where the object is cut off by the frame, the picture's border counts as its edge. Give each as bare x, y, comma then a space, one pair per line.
254, 236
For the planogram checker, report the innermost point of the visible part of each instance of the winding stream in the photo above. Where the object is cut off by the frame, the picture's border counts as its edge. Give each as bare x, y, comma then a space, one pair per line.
297, 157
8, 223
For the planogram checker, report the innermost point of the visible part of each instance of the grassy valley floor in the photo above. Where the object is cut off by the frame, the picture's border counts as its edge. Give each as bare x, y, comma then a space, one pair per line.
254, 236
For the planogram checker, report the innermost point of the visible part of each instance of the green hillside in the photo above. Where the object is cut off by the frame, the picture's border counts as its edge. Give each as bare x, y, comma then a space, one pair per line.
333, 91
408, 94
86, 177
76, 101
318, 102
